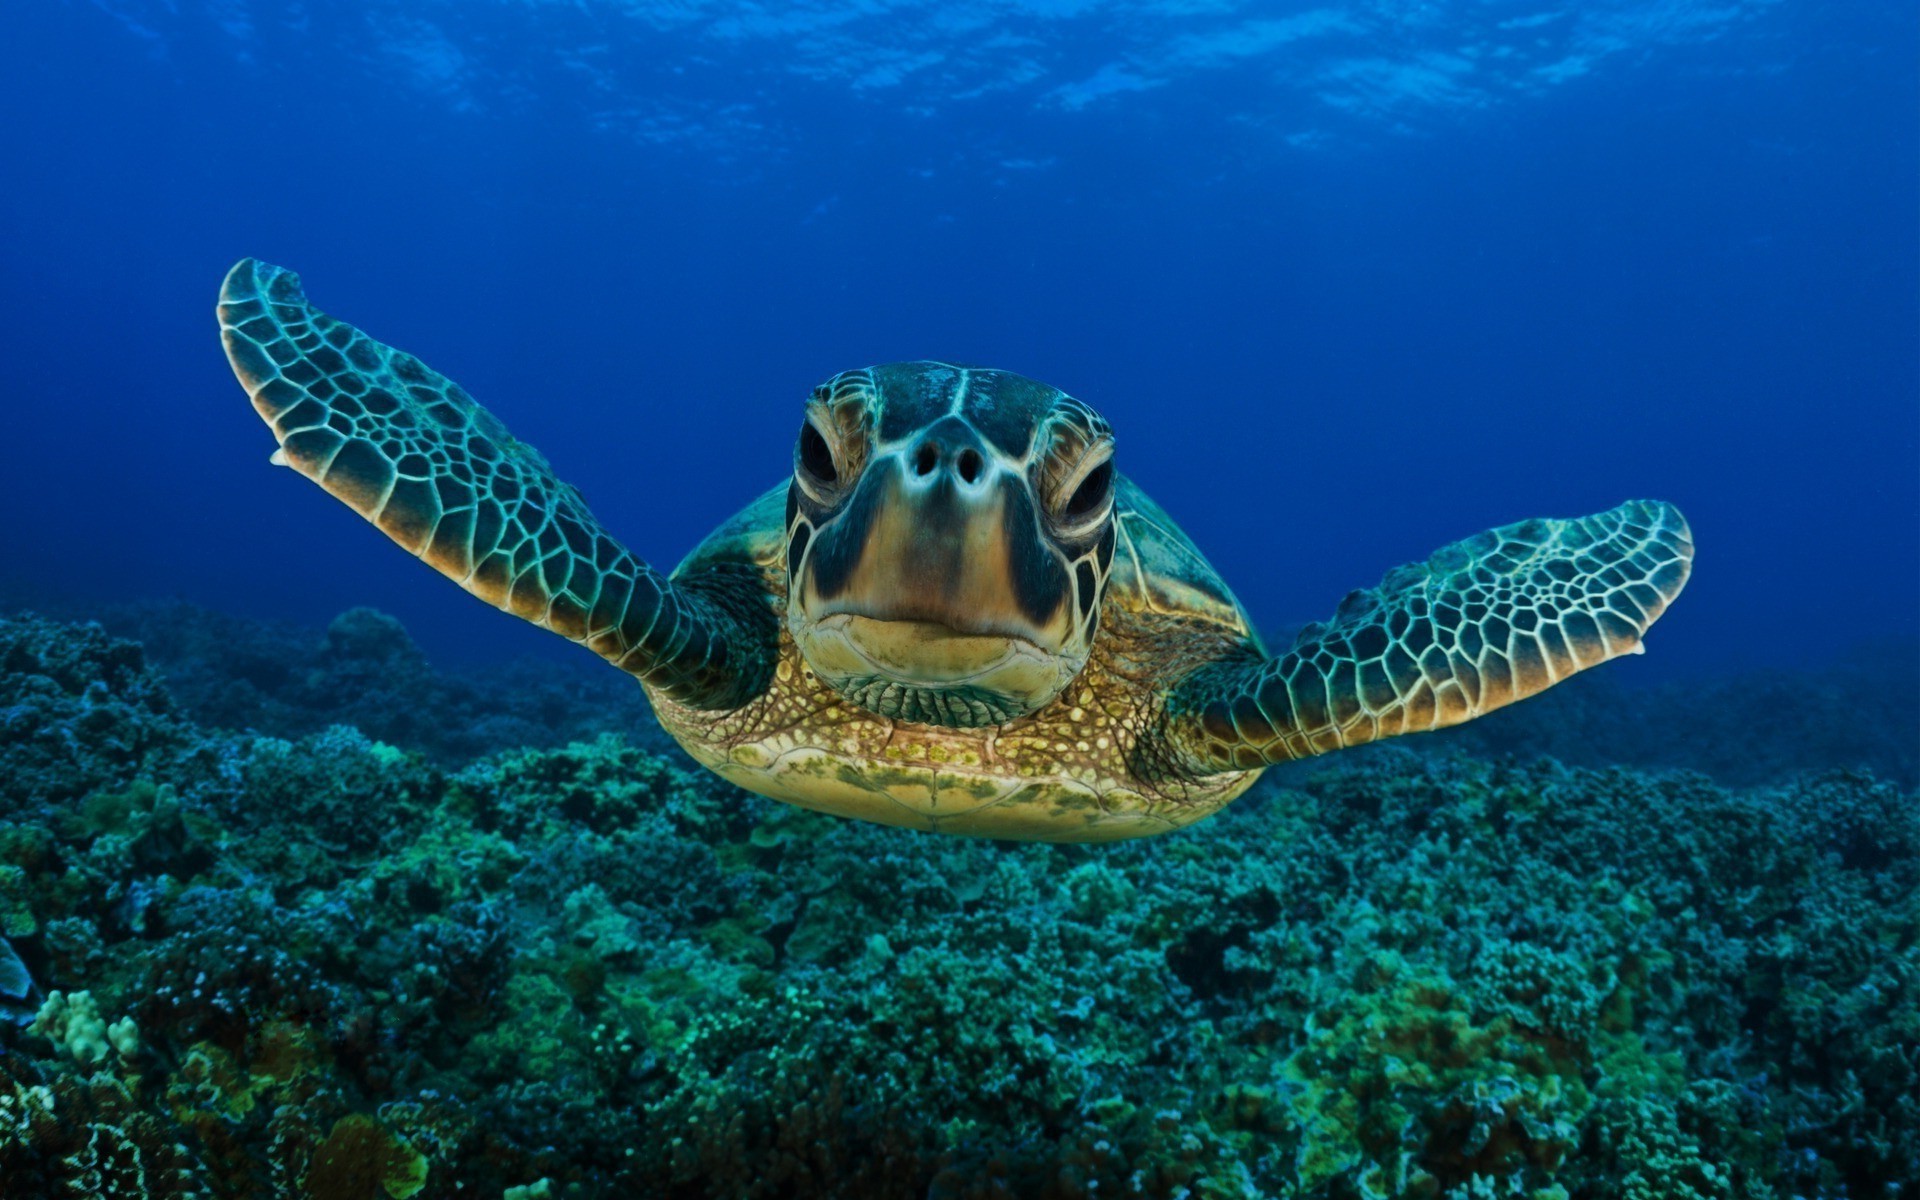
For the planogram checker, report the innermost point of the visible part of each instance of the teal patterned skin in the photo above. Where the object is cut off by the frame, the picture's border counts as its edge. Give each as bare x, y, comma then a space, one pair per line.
409, 450
1484, 622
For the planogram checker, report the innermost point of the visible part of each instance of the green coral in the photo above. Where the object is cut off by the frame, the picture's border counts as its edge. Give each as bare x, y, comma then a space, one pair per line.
74, 1024
17, 919
359, 1156
1398, 1071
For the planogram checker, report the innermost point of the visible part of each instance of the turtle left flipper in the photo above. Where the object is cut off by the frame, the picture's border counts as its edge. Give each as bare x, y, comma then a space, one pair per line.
1484, 622
412, 452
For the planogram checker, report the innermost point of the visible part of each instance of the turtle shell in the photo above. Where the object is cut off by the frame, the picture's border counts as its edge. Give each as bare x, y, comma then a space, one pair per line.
1158, 569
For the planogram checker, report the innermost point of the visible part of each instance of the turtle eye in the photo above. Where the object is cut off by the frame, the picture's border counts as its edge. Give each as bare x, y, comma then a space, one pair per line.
1092, 492
815, 458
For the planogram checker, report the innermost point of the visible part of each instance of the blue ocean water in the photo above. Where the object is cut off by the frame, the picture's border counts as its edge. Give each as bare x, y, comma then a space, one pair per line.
1349, 281
320, 880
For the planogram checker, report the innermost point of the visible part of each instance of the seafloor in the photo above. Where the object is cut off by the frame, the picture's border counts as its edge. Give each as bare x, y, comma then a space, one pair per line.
295, 915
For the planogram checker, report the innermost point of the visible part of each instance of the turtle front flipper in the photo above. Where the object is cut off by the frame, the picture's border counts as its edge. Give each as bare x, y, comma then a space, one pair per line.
410, 451
1480, 624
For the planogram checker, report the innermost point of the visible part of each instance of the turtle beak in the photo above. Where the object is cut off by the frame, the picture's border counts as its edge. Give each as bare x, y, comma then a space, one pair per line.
944, 539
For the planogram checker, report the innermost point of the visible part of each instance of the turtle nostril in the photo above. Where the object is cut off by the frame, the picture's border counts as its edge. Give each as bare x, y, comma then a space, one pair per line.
926, 458
969, 464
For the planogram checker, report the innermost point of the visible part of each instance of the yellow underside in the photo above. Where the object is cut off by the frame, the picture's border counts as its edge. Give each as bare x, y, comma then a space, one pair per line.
1064, 773
961, 797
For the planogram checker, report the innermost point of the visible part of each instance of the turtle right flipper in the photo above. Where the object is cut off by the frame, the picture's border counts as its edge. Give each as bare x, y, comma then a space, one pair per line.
1482, 623
410, 451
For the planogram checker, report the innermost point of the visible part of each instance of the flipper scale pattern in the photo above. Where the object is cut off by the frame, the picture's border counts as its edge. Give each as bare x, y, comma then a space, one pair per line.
1486, 621
412, 452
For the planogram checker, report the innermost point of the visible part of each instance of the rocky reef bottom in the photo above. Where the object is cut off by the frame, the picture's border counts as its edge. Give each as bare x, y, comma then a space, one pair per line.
300, 917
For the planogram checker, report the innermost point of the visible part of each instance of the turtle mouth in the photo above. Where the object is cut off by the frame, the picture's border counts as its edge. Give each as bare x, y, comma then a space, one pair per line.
923, 652
928, 626
927, 671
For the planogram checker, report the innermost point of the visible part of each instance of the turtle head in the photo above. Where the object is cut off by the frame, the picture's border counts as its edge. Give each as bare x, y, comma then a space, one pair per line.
949, 535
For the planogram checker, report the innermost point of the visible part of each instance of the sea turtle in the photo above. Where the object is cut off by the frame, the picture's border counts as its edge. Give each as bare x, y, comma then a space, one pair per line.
954, 614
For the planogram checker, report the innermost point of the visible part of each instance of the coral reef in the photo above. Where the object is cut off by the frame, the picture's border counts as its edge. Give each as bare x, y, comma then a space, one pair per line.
289, 954
364, 670
1750, 728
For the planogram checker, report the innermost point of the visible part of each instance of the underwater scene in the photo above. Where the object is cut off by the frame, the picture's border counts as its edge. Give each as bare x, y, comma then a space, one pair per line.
1167, 599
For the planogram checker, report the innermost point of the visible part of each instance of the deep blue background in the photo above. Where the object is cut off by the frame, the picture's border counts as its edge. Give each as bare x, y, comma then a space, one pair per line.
1331, 335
